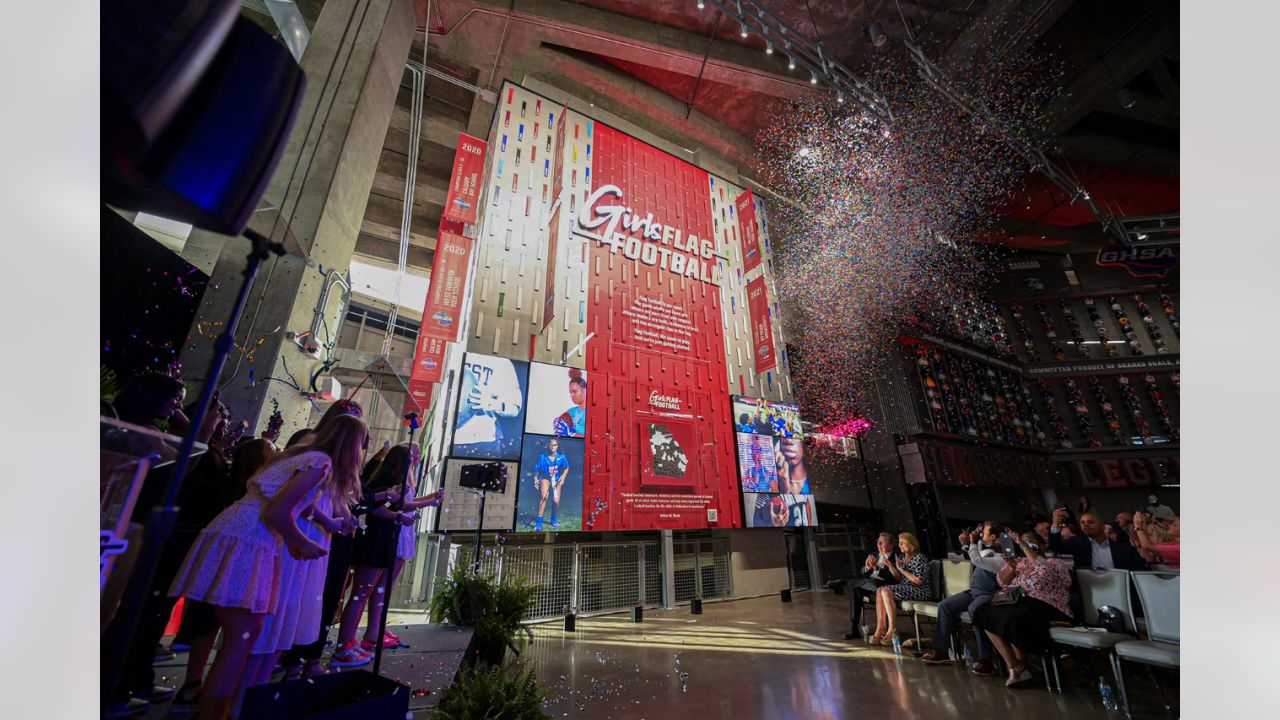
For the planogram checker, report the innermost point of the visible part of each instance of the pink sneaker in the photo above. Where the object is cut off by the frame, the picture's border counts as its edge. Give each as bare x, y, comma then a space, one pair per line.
350, 655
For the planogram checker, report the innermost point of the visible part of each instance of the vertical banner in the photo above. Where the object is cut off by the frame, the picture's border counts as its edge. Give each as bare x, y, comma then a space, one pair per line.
418, 400
464, 183
761, 327
448, 281
553, 241
750, 234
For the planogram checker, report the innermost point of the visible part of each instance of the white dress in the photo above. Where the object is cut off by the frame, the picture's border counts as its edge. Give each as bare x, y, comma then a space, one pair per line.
405, 547
236, 560
297, 616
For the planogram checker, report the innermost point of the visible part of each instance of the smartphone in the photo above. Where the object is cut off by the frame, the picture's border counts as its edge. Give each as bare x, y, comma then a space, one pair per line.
1008, 546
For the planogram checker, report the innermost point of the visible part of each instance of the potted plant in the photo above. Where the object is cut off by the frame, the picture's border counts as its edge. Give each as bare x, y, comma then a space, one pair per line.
493, 691
494, 609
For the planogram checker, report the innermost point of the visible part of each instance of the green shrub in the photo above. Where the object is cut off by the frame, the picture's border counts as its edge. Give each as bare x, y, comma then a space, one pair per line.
494, 692
494, 609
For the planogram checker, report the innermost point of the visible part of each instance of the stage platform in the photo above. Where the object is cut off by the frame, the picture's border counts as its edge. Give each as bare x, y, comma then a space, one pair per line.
427, 666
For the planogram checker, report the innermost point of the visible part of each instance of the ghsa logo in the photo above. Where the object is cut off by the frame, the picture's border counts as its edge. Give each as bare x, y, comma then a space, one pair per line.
444, 318
429, 363
462, 203
763, 351
1141, 262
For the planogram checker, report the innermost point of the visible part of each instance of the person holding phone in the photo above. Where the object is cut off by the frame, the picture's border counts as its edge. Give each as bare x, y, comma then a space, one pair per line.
1017, 621
873, 574
987, 564
911, 575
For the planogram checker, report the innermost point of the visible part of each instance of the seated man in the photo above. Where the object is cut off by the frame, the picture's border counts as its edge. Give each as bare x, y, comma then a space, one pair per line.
987, 562
874, 573
1124, 527
1092, 549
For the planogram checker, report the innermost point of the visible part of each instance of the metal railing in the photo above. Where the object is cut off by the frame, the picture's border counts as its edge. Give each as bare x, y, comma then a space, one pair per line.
595, 578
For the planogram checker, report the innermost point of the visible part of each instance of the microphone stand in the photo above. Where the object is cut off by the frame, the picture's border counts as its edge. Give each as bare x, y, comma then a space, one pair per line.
162, 518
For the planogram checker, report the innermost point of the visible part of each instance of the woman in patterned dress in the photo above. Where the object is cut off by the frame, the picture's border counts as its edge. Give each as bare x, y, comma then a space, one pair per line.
912, 574
235, 563
1023, 626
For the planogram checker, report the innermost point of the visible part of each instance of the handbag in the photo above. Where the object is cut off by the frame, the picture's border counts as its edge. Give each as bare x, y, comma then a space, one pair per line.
1008, 596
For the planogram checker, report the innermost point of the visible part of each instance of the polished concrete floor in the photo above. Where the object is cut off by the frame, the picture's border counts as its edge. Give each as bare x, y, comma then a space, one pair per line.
762, 658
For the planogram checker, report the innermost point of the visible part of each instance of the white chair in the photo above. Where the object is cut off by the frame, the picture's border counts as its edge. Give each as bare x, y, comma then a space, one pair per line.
1160, 595
1098, 588
955, 580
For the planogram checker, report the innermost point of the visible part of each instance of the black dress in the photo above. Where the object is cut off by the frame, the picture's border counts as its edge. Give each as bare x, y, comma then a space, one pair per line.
375, 544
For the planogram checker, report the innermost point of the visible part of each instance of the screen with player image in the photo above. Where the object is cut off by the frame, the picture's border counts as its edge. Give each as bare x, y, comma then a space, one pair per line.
779, 510
772, 464
766, 417
491, 408
557, 401
550, 494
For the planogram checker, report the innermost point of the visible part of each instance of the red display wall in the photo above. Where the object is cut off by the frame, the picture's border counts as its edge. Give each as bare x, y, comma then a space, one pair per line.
659, 451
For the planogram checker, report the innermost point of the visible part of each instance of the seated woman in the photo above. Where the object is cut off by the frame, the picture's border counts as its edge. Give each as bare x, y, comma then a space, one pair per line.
1159, 542
1022, 626
912, 575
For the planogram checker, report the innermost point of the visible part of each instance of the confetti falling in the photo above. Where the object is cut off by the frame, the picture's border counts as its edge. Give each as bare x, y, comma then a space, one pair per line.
887, 225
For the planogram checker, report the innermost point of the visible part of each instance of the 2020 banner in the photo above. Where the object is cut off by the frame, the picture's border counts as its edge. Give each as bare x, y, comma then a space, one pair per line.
448, 285
464, 183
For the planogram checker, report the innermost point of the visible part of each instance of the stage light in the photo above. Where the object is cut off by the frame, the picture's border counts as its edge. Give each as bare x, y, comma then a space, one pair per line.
876, 32
791, 63
813, 79
744, 30
702, 5
840, 97
768, 47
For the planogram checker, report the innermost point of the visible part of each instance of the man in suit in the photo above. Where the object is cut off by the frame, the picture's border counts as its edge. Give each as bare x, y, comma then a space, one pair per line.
1092, 549
873, 574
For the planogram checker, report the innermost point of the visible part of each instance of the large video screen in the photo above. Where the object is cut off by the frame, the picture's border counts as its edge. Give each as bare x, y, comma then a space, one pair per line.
780, 510
766, 417
550, 493
557, 401
772, 464
491, 408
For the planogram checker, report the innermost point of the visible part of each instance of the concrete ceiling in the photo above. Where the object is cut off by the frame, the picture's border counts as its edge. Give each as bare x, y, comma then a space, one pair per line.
691, 80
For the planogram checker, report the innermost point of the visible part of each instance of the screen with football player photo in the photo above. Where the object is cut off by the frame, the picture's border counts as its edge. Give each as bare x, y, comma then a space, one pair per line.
557, 401
765, 417
491, 408
779, 510
772, 464
550, 495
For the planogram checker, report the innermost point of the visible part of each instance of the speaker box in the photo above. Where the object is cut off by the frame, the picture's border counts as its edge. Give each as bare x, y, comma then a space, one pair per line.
211, 162
351, 695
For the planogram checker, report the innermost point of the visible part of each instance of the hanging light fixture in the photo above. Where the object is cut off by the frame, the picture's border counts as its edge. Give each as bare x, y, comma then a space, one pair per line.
702, 5
744, 30
768, 47
791, 62
1125, 97
813, 78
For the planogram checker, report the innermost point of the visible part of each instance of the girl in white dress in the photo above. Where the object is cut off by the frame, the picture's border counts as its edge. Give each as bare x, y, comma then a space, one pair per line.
235, 564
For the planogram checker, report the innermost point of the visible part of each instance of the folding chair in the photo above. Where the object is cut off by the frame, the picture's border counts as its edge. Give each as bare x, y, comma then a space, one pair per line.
1160, 595
955, 580
1098, 588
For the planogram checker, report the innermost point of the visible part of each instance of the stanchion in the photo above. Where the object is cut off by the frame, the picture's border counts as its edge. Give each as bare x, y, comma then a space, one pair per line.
637, 614
394, 539
695, 606
786, 595
161, 520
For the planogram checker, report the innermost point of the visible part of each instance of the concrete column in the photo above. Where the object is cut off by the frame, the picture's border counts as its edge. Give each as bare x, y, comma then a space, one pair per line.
314, 205
668, 570
815, 564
